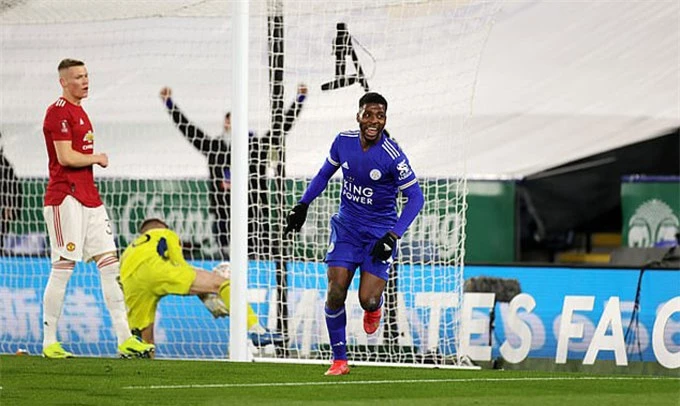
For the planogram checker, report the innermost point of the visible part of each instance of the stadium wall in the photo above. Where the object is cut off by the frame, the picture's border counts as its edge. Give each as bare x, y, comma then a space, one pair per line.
563, 317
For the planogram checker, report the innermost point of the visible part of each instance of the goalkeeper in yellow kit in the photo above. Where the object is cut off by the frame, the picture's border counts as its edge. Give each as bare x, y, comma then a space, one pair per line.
153, 267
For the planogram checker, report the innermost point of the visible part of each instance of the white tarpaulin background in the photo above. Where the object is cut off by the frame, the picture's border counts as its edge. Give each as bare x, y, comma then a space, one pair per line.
557, 81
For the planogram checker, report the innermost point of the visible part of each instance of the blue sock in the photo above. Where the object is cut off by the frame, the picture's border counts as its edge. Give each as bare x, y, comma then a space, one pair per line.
336, 322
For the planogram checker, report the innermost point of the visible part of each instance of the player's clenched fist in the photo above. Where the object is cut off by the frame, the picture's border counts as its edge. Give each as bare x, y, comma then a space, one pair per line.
166, 93
296, 218
382, 249
103, 160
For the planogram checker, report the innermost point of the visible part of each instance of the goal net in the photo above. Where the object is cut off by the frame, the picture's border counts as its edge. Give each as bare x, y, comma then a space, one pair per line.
309, 63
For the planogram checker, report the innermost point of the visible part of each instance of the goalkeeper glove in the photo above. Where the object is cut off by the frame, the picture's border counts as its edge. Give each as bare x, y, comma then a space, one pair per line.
382, 249
214, 304
296, 218
223, 269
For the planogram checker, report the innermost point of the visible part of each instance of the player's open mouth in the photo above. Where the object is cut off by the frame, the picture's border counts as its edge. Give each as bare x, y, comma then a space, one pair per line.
372, 131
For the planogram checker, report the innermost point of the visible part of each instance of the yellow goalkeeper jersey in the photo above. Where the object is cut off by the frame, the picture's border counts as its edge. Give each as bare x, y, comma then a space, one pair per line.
156, 243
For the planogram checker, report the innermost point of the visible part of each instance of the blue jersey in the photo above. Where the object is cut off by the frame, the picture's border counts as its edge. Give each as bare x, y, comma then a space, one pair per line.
371, 180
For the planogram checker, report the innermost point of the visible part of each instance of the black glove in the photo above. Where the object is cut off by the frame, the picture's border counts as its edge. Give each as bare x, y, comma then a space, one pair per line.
382, 249
296, 218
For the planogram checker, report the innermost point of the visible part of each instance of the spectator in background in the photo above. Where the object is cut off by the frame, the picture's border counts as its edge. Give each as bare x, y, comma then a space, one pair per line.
10, 196
218, 153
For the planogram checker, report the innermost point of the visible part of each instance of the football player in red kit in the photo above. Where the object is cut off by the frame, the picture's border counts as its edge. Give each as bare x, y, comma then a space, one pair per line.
78, 225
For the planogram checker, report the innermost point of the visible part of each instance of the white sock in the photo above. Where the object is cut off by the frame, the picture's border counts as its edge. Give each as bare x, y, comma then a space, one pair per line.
109, 269
53, 299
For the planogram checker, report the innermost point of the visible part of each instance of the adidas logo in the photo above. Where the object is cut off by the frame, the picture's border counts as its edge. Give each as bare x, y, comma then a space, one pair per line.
345, 165
82, 122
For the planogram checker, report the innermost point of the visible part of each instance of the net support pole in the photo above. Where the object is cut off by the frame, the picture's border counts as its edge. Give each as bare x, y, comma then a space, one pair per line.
275, 39
238, 348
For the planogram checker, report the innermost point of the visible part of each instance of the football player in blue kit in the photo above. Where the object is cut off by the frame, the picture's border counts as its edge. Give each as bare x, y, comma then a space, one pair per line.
365, 231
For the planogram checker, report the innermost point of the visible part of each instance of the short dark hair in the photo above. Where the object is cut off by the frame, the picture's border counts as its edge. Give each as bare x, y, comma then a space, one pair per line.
228, 115
68, 63
151, 223
372, 97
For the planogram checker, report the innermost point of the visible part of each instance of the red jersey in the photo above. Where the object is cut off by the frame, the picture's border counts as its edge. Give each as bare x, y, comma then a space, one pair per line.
64, 121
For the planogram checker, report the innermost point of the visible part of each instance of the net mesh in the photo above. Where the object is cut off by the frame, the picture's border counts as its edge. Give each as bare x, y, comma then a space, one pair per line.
310, 61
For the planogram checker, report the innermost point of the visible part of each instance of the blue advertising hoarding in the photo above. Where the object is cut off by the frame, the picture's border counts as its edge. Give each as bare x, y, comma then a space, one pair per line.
557, 315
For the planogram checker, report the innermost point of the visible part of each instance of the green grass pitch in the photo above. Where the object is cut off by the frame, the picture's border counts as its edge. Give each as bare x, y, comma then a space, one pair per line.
31, 380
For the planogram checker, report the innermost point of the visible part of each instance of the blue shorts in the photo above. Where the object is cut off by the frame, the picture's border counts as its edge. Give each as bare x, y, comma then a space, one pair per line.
350, 247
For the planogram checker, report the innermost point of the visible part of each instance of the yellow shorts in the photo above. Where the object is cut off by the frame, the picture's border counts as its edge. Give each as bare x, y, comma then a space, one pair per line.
146, 285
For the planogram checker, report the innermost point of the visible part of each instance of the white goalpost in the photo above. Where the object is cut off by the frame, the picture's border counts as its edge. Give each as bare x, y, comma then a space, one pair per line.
308, 65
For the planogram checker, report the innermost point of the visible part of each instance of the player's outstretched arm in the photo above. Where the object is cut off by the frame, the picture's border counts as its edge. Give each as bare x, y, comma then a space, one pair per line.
295, 108
296, 218
191, 132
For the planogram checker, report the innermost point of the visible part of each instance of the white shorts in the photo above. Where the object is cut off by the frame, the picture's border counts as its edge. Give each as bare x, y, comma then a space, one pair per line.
77, 232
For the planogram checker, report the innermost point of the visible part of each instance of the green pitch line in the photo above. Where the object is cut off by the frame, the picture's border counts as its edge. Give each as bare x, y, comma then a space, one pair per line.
29, 380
